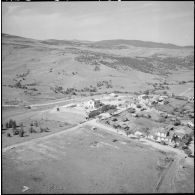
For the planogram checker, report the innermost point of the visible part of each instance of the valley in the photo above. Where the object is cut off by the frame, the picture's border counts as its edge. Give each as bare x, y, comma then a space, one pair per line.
113, 116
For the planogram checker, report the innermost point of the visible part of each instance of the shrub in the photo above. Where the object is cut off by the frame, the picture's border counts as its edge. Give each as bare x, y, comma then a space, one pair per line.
186, 139
15, 132
97, 68
128, 132
42, 130
8, 135
131, 110
147, 92
165, 93
177, 122
161, 119
188, 151
148, 116
138, 106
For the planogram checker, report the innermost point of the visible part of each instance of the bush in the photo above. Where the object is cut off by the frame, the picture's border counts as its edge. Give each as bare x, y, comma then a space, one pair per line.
42, 130
138, 106
15, 132
177, 122
148, 116
97, 68
8, 135
186, 139
165, 93
131, 110
188, 151
147, 92
161, 119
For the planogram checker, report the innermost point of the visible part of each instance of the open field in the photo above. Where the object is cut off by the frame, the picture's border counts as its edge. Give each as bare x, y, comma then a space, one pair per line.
87, 162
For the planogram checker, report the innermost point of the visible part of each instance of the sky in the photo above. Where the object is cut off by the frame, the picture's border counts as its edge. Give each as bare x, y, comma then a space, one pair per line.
165, 22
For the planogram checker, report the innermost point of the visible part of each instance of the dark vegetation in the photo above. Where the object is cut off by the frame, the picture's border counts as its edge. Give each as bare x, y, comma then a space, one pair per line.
74, 91
153, 64
102, 109
19, 129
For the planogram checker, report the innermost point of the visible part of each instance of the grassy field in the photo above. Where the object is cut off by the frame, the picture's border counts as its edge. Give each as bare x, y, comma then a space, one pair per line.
86, 161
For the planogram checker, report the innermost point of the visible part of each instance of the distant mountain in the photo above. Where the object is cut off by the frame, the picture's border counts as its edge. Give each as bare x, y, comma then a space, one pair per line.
119, 43
137, 43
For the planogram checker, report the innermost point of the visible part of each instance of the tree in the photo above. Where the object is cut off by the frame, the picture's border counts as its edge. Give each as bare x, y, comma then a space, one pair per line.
7, 125
15, 131
10, 123
21, 132
36, 124
31, 129
14, 124
186, 139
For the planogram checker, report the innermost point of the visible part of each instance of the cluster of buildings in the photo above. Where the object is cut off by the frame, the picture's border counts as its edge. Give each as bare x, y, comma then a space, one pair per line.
150, 100
169, 135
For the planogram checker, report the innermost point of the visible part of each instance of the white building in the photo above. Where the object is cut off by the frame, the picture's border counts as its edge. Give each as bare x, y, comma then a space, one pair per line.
89, 104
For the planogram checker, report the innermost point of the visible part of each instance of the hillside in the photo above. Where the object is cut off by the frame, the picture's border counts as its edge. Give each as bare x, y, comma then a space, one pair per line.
34, 70
136, 43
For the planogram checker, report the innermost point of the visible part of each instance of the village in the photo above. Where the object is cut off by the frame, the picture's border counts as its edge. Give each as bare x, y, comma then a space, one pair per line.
139, 117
